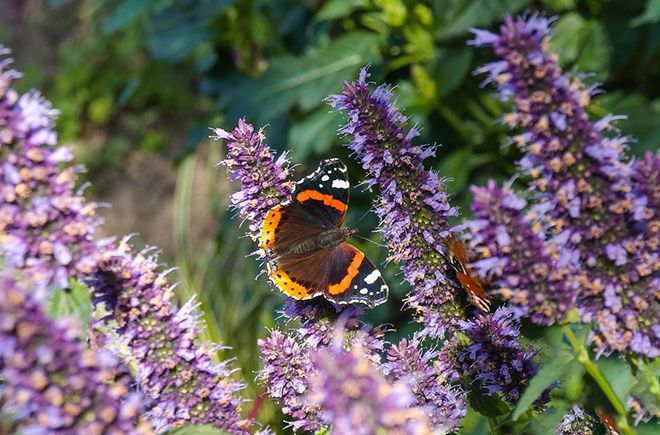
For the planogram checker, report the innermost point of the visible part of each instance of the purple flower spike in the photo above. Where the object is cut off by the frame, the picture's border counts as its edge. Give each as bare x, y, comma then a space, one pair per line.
515, 258
490, 355
47, 228
173, 369
263, 177
355, 398
429, 380
577, 422
412, 207
594, 205
51, 381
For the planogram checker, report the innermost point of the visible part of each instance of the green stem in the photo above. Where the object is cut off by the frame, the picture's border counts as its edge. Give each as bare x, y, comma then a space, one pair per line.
492, 424
592, 369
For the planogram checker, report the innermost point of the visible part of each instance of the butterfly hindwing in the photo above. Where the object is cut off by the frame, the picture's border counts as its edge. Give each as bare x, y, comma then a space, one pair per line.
353, 278
325, 193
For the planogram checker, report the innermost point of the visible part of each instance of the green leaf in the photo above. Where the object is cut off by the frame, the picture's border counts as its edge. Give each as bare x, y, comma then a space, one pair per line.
564, 37
651, 14
581, 42
75, 303
457, 17
489, 406
314, 134
618, 374
301, 81
124, 14
452, 67
546, 375
334, 9
191, 429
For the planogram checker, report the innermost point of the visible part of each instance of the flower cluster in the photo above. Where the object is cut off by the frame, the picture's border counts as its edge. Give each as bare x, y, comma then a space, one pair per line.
595, 205
490, 356
47, 227
288, 365
537, 283
354, 397
429, 380
179, 374
412, 207
263, 177
51, 381
577, 422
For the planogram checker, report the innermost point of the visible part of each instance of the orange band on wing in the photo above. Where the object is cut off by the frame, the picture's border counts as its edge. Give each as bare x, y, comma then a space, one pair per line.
286, 284
267, 236
353, 270
326, 199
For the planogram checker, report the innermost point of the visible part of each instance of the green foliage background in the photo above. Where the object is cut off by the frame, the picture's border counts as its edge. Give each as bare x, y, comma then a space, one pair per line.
155, 74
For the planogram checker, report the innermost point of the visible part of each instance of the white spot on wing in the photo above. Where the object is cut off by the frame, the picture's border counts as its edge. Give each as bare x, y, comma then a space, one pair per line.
325, 178
340, 184
372, 277
363, 291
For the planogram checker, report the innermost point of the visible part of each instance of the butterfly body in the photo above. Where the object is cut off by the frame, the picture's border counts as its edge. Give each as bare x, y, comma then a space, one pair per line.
306, 245
457, 258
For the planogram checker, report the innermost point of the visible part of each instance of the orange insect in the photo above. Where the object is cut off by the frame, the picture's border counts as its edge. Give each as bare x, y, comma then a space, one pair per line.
457, 257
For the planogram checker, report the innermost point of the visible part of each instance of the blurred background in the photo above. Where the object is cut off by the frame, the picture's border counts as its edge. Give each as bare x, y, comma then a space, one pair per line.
139, 82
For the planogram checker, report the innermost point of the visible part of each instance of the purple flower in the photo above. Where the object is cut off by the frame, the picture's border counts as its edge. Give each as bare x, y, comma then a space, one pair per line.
47, 227
287, 355
51, 381
524, 270
179, 374
593, 203
577, 422
355, 398
430, 382
412, 207
489, 356
263, 177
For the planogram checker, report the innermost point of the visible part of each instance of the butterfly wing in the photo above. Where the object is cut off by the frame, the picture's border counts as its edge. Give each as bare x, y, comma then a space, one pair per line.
324, 193
458, 258
352, 278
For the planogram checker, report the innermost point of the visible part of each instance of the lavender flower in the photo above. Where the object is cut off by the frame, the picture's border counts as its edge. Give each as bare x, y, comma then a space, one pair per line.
514, 256
51, 381
412, 207
429, 381
586, 193
355, 398
577, 422
47, 227
263, 178
173, 369
490, 355
287, 355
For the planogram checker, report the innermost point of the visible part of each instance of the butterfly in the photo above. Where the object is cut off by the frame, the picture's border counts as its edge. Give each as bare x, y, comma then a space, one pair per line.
306, 245
457, 257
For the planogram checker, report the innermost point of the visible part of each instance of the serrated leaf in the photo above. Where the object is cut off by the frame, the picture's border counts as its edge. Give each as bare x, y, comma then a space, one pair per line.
489, 406
74, 302
457, 17
314, 134
546, 375
191, 429
301, 81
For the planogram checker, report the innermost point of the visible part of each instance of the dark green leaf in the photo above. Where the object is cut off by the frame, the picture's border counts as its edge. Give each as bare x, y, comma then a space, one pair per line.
457, 17
489, 406
581, 42
333, 9
126, 13
315, 134
452, 67
546, 375
75, 303
303, 81
651, 13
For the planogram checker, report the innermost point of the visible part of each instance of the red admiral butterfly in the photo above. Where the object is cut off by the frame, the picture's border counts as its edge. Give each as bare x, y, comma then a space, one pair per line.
457, 257
306, 247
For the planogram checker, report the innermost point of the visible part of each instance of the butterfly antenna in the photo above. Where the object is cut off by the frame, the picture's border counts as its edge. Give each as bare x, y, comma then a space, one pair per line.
370, 241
